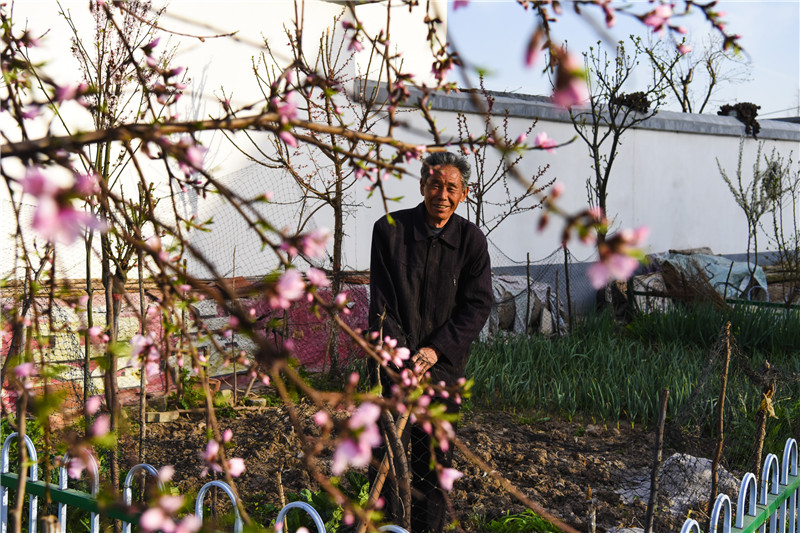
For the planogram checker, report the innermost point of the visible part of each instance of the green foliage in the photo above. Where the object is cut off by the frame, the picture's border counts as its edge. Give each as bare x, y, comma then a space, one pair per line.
612, 373
526, 522
356, 489
192, 394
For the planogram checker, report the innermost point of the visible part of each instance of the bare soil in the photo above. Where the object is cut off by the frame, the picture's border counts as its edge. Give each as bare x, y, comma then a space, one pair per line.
553, 461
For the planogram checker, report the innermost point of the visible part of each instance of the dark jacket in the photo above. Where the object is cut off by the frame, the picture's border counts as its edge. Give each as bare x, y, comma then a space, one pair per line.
434, 290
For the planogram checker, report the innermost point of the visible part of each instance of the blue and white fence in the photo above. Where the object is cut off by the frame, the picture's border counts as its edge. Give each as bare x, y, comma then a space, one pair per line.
65, 498
776, 502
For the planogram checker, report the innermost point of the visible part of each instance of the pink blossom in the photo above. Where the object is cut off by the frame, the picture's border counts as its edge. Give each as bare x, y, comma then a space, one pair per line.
355, 45
62, 222
317, 277
75, 467
521, 139
235, 466
341, 299
574, 93
96, 335
93, 404
447, 476
36, 183
144, 350
189, 524
25, 370
288, 138
69, 92
155, 519
289, 288
321, 418
534, 49
212, 449
86, 184
286, 107
31, 113
611, 18
614, 266
458, 4
101, 426
55, 218
192, 160
149, 47
356, 450
314, 242
170, 503
227, 435
166, 473
401, 354
570, 84
658, 18
544, 141
684, 48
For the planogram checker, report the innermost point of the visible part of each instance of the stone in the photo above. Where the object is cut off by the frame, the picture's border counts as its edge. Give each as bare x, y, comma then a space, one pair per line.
685, 480
156, 417
255, 402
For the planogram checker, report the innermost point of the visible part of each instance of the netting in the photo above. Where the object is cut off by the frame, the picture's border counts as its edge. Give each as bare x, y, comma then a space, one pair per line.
540, 295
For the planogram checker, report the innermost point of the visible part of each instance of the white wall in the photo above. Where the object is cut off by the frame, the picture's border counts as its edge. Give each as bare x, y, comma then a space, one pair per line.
665, 179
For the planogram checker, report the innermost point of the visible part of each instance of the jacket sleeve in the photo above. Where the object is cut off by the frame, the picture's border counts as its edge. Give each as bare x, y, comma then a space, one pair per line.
383, 313
473, 304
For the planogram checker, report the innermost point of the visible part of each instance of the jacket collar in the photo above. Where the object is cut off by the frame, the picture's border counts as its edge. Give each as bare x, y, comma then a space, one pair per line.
450, 235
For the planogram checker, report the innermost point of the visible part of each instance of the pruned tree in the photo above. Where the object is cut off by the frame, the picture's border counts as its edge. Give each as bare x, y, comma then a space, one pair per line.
610, 112
754, 197
693, 75
494, 196
781, 183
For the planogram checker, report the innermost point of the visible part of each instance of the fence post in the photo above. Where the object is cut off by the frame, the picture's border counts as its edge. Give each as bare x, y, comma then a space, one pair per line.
127, 490
4, 467
63, 481
201, 496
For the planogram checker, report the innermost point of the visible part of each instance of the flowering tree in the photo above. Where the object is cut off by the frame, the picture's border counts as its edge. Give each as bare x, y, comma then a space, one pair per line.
52, 170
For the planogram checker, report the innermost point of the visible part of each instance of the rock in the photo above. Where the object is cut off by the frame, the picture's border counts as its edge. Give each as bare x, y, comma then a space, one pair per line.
684, 480
625, 530
255, 402
593, 431
157, 417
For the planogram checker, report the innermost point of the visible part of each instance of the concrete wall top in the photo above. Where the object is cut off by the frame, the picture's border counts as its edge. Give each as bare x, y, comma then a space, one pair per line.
530, 106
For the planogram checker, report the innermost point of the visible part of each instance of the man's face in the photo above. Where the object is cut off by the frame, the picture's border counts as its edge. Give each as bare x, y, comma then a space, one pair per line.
443, 191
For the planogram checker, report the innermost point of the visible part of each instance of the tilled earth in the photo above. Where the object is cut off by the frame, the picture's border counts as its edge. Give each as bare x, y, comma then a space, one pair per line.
553, 462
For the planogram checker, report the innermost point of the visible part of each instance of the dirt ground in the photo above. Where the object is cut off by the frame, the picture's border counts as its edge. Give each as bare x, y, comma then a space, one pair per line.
553, 461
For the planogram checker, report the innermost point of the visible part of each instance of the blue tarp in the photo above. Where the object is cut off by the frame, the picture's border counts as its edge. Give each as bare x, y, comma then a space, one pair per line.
729, 278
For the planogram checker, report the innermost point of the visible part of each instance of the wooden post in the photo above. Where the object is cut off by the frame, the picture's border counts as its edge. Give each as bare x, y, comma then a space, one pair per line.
651, 503
726, 332
566, 282
528, 293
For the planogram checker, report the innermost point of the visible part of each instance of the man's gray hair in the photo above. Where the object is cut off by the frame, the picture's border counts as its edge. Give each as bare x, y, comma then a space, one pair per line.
438, 159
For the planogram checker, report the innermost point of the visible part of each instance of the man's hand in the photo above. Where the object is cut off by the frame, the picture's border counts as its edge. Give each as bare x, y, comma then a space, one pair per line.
424, 359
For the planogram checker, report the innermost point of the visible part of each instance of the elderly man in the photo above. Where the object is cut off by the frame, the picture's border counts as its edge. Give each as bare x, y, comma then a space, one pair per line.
430, 288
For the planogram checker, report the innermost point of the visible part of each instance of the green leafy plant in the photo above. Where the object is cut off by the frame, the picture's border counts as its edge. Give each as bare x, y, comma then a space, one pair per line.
526, 522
